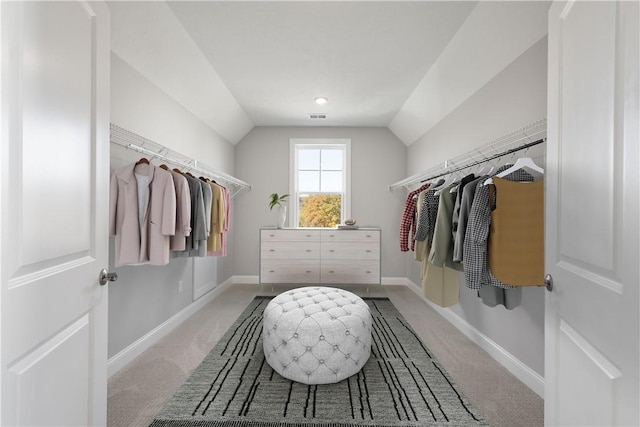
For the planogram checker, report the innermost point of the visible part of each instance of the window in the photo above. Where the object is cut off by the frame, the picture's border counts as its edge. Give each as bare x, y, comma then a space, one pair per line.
320, 181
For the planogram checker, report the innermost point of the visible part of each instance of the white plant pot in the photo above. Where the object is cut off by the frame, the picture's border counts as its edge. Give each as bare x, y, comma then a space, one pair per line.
282, 216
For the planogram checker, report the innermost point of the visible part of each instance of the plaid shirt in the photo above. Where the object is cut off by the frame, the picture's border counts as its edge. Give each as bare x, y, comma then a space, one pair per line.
428, 214
476, 255
408, 221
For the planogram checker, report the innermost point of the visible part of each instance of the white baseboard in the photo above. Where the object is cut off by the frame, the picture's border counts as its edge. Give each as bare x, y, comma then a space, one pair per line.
394, 281
203, 290
528, 376
255, 280
135, 349
247, 280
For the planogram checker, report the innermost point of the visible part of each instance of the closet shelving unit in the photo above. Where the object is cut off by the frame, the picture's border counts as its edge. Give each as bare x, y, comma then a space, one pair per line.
521, 139
153, 150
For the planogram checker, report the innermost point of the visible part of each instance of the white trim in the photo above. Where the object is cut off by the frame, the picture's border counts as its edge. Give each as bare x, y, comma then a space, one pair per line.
246, 280
292, 218
528, 376
394, 281
124, 357
203, 290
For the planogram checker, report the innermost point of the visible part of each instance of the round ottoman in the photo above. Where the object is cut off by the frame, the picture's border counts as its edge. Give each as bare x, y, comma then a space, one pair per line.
316, 335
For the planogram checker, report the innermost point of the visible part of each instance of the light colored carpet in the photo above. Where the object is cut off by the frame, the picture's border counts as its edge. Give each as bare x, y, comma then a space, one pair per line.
140, 390
401, 384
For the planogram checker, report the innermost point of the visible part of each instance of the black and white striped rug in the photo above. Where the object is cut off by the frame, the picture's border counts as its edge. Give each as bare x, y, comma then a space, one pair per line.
401, 384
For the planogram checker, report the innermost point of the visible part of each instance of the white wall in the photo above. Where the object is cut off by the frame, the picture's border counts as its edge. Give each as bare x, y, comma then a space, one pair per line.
146, 296
378, 159
512, 99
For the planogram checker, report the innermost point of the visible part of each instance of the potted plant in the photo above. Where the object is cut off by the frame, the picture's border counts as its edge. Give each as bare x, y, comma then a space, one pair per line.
277, 200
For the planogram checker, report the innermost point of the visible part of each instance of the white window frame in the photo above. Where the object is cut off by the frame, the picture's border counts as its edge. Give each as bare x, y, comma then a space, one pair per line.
294, 143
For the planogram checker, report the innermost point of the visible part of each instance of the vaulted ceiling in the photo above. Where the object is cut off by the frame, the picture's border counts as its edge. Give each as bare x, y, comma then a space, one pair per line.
402, 65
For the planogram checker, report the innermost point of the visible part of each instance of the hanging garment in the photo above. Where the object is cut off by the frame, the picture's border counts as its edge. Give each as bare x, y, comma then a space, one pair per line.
135, 244
183, 212
207, 196
440, 285
441, 252
516, 237
408, 220
492, 297
214, 241
455, 219
198, 226
466, 201
428, 213
476, 264
225, 228
421, 250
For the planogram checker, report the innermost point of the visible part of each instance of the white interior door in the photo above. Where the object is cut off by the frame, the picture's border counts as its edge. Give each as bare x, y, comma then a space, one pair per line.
592, 215
54, 204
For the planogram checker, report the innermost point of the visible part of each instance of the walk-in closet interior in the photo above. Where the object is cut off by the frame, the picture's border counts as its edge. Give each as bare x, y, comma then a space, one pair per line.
489, 158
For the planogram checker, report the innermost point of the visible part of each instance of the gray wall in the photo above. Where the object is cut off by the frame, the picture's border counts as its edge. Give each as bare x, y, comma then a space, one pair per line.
378, 159
146, 296
514, 98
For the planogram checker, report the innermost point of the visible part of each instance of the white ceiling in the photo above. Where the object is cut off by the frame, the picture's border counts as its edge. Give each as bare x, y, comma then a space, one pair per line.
239, 64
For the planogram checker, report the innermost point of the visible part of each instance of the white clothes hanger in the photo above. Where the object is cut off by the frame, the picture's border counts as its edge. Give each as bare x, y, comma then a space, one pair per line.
437, 184
447, 182
487, 170
521, 163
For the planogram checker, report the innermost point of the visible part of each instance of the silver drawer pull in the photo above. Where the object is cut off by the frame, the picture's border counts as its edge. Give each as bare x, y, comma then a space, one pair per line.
368, 235
331, 271
272, 250
368, 250
332, 235
331, 250
272, 271
368, 271
308, 250
308, 235
308, 271
272, 235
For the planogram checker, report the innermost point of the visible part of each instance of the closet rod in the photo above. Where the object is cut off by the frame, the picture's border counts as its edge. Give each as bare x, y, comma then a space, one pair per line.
478, 162
134, 142
523, 138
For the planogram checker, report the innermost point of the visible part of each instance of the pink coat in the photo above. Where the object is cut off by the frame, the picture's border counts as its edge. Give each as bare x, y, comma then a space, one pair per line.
147, 238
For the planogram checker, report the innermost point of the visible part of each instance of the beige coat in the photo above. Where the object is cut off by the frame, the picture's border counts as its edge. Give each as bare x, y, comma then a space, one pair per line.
145, 237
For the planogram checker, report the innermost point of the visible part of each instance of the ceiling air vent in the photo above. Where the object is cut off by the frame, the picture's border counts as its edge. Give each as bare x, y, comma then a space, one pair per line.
317, 115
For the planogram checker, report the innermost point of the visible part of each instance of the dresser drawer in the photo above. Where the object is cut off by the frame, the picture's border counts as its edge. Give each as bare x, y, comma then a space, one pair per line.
350, 235
290, 250
366, 272
290, 272
281, 235
350, 250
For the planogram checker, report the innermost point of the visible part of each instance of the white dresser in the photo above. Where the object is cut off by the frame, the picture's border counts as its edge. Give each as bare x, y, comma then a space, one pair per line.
311, 255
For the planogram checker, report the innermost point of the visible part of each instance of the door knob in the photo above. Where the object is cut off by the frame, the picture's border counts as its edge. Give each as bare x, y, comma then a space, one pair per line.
105, 277
548, 282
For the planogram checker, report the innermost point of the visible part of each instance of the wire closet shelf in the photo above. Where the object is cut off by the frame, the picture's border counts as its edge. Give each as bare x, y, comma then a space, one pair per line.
153, 150
521, 139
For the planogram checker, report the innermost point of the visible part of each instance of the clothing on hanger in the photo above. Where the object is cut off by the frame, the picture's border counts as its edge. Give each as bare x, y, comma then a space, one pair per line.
476, 254
408, 220
522, 163
516, 236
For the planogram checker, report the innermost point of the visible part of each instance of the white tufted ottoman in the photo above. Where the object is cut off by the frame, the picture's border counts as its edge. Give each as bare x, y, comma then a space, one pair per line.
316, 335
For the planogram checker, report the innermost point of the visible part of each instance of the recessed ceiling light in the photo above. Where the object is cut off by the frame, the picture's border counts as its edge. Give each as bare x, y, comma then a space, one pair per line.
321, 100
